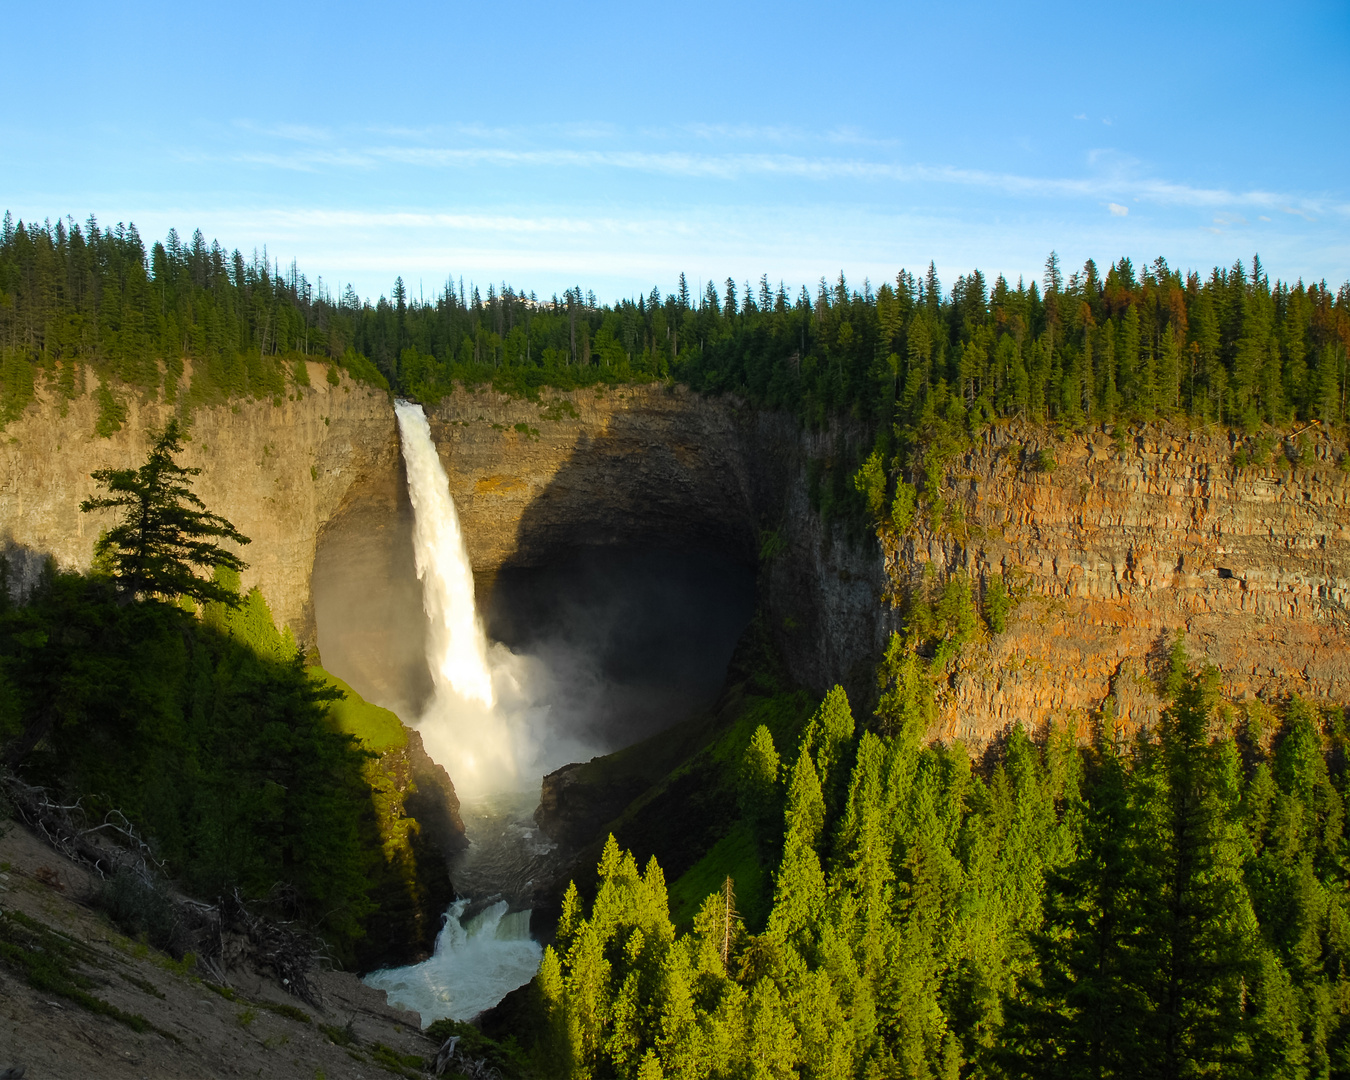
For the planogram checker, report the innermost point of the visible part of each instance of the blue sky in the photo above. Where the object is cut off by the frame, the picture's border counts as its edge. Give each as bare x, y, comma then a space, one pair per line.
614, 146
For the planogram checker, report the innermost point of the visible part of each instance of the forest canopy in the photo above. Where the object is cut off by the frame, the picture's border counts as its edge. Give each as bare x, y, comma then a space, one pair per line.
82, 305
1170, 904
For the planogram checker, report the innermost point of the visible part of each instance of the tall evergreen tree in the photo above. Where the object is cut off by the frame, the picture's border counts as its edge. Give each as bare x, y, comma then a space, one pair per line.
166, 534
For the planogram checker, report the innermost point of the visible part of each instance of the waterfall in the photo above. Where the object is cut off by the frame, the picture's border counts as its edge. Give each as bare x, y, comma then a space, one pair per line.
464, 727
458, 648
497, 720
489, 723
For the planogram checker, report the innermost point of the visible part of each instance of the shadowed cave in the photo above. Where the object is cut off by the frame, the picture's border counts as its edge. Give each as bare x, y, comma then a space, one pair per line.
637, 637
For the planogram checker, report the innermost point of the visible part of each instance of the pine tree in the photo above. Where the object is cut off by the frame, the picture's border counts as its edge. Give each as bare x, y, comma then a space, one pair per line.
773, 1047
799, 891
759, 793
828, 737
165, 533
1198, 923
1086, 1012
1128, 375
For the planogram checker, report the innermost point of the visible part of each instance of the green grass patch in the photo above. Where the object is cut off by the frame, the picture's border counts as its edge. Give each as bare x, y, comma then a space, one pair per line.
144, 985
47, 961
378, 729
224, 991
735, 856
410, 1065
291, 1012
339, 1036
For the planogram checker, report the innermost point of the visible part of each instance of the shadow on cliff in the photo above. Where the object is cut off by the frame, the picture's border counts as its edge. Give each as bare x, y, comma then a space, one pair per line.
621, 487
22, 566
632, 577
369, 622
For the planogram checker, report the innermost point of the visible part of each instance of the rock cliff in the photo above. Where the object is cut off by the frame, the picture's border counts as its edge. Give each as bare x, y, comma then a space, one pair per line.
643, 465
1122, 544
663, 466
1126, 541
278, 471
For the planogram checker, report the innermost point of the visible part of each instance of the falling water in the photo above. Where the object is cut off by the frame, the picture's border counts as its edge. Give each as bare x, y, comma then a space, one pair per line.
477, 962
458, 651
479, 743
498, 721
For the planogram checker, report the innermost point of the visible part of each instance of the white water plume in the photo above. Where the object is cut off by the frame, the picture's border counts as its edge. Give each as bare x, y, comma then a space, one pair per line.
461, 726
458, 652
492, 719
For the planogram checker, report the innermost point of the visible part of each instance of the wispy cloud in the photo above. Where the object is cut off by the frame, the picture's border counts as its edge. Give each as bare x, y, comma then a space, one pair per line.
620, 248
1117, 210
302, 133
1112, 181
773, 133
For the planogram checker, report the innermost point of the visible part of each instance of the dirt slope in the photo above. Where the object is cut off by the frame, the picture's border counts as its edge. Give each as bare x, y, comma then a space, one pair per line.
193, 1031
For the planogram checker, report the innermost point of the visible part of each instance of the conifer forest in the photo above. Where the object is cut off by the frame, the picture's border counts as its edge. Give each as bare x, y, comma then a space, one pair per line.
1086, 900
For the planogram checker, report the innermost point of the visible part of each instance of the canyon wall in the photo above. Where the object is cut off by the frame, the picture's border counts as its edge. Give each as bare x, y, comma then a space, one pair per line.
1125, 542
641, 465
279, 472
662, 466
1121, 545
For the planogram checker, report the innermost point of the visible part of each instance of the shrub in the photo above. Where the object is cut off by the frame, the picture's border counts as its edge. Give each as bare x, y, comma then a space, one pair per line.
996, 605
903, 506
140, 909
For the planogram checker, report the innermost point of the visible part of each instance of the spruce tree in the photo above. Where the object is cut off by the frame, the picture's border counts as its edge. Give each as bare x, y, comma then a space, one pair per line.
759, 791
1083, 1014
165, 534
1197, 943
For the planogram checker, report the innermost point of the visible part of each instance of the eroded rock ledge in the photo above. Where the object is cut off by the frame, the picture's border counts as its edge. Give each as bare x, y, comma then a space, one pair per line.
1121, 546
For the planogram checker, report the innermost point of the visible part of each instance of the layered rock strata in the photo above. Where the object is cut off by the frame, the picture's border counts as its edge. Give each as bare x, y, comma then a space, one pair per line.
1123, 544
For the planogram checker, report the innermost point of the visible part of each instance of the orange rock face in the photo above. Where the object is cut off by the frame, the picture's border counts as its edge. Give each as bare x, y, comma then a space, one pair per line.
1117, 548
1121, 546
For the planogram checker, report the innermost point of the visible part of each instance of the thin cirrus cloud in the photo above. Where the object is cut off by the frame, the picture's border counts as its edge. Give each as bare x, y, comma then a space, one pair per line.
624, 250
548, 204
1115, 179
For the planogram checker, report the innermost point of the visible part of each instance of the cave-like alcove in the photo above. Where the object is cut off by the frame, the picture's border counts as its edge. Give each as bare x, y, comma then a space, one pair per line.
653, 629
636, 637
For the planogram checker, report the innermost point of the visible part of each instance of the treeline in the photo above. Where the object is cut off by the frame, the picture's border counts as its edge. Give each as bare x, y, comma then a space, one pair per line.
1169, 904
1096, 346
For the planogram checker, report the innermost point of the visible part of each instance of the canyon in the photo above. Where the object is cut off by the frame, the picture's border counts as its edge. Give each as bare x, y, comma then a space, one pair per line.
1129, 539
